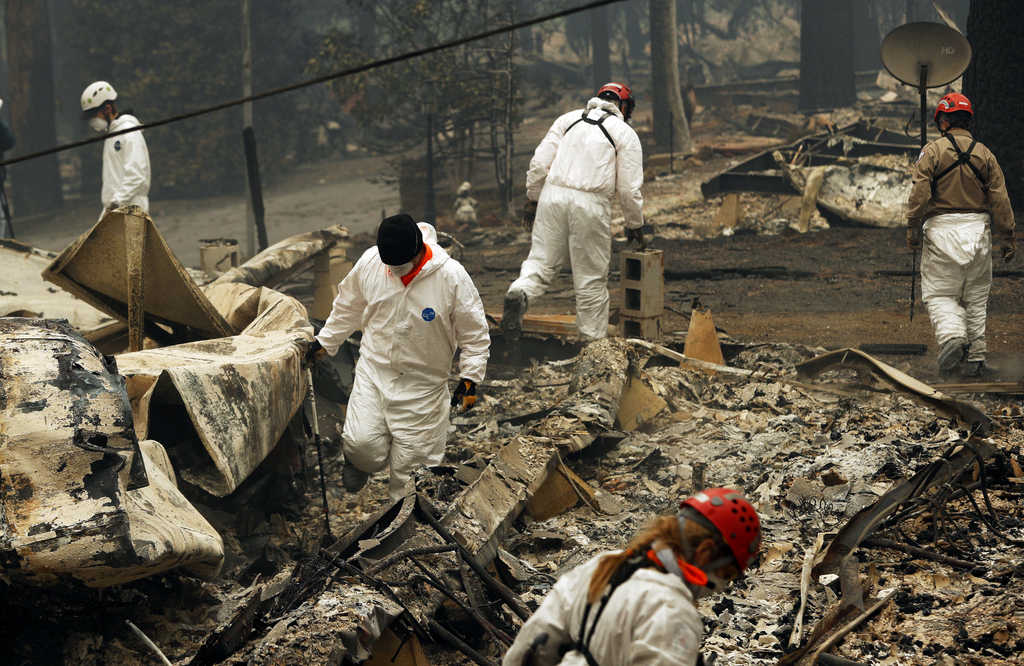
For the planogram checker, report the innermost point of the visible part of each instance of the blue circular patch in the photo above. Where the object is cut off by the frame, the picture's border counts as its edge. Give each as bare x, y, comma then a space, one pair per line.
117, 145
428, 314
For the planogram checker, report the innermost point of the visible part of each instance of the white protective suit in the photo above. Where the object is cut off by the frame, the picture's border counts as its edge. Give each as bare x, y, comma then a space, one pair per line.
398, 410
956, 276
126, 174
650, 620
573, 176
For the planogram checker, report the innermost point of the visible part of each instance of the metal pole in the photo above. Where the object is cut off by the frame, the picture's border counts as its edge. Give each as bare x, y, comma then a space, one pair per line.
922, 89
671, 142
430, 211
250, 216
319, 454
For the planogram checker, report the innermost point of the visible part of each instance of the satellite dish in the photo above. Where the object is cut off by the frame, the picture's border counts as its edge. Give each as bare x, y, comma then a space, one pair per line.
942, 51
925, 55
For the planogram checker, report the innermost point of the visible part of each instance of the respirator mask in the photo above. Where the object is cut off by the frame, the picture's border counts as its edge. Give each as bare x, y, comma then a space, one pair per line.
101, 125
402, 269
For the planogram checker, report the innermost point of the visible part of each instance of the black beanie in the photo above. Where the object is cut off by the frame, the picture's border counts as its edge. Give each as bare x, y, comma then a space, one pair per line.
399, 239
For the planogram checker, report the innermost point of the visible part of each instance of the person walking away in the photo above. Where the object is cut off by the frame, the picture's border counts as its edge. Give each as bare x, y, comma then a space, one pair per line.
958, 191
588, 156
638, 606
126, 171
6, 143
415, 306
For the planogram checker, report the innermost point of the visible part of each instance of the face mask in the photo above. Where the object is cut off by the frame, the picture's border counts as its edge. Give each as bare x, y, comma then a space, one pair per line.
99, 124
402, 269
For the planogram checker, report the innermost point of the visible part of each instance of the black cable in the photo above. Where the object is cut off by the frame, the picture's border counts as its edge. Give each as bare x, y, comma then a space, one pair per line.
318, 80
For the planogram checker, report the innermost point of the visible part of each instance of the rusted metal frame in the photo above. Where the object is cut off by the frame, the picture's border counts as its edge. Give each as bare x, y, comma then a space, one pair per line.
917, 552
968, 415
867, 520
499, 636
380, 565
459, 644
511, 599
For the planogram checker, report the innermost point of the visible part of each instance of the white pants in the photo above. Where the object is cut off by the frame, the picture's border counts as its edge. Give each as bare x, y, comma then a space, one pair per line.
572, 225
956, 275
384, 426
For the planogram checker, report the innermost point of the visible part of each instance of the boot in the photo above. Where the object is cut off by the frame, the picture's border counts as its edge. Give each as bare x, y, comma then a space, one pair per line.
952, 354
512, 317
353, 478
975, 369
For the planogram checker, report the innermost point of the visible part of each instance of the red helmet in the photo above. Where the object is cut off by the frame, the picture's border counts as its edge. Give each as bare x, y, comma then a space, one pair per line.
622, 93
734, 518
951, 103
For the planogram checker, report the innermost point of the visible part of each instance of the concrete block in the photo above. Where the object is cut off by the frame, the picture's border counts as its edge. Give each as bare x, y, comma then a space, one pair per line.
640, 327
218, 255
642, 278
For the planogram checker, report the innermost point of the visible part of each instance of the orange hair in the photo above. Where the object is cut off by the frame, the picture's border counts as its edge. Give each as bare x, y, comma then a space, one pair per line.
664, 529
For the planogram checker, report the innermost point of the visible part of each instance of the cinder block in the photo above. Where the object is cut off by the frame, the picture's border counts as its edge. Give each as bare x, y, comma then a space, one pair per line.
218, 256
648, 328
642, 277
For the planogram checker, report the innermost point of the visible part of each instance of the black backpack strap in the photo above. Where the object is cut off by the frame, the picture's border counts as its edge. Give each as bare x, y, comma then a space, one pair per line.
627, 569
962, 157
600, 124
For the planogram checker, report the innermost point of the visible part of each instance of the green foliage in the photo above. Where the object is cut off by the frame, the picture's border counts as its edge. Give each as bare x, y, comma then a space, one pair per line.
392, 102
167, 58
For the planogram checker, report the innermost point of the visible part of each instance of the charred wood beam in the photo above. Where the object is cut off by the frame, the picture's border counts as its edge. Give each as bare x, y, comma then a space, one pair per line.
917, 552
383, 564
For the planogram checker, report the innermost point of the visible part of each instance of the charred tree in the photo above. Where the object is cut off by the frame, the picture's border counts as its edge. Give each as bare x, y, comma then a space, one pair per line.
35, 184
599, 46
826, 54
634, 33
992, 83
670, 126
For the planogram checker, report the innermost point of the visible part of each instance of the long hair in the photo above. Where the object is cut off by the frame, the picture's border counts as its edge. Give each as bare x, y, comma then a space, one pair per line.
664, 529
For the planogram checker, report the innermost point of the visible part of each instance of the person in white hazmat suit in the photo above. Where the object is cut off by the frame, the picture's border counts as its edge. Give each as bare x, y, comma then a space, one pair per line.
415, 306
587, 157
638, 607
957, 193
126, 172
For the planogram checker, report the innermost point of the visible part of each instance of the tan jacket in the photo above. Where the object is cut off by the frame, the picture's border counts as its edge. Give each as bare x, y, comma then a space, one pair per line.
959, 190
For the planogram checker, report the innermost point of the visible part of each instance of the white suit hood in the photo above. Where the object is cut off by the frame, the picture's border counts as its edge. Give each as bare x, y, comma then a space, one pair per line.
582, 159
412, 330
126, 171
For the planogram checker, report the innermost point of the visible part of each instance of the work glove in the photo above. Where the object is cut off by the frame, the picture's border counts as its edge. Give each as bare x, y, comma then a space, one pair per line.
1009, 247
528, 215
638, 236
465, 394
914, 235
314, 353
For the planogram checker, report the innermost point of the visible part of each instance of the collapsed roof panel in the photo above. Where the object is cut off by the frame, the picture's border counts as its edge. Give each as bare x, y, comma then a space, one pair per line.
26, 294
97, 268
219, 406
77, 501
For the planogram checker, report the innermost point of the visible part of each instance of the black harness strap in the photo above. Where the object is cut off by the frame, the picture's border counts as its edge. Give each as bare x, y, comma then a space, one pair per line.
962, 157
600, 124
627, 569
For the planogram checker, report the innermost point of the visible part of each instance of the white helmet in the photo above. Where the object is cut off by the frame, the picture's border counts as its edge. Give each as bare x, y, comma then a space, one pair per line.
94, 96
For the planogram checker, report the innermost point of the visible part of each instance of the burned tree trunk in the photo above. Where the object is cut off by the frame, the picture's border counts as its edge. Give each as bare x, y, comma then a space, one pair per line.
36, 183
600, 53
670, 127
992, 83
826, 54
634, 33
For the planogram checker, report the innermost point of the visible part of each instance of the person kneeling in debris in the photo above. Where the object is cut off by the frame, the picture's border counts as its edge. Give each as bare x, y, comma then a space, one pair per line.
415, 306
638, 607
958, 189
588, 156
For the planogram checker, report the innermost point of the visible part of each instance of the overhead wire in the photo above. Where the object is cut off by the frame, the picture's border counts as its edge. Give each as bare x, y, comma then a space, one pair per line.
373, 64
